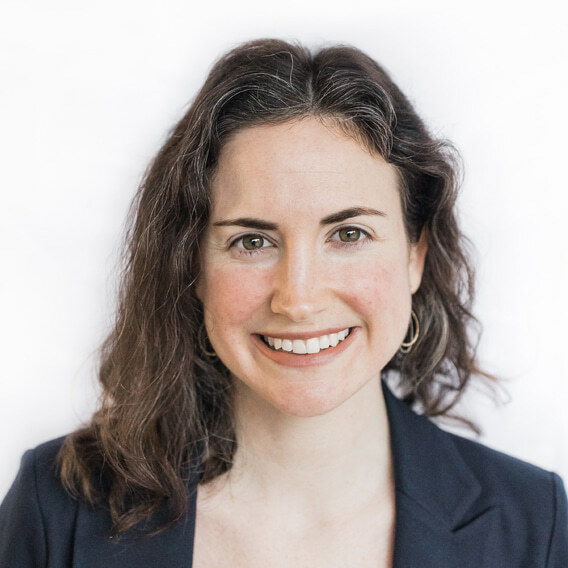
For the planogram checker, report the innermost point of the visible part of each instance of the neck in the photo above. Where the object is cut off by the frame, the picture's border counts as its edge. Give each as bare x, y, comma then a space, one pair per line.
327, 461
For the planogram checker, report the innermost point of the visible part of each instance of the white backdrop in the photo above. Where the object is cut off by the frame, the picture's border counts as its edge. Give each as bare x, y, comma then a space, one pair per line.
89, 90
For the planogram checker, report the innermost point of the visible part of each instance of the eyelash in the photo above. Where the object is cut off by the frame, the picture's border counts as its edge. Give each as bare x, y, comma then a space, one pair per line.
365, 237
245, 252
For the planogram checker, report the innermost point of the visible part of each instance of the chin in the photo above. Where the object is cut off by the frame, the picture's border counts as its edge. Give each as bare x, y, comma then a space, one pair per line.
304, 401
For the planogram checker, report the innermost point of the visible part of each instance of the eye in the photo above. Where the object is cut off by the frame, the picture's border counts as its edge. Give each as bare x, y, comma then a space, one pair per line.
251, 242
350, 235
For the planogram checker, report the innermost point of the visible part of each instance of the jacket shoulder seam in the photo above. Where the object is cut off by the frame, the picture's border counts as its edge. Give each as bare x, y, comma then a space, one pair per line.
38, 499
554, 484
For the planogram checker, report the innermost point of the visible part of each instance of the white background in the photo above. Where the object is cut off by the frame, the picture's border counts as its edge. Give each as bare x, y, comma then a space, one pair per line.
89, 90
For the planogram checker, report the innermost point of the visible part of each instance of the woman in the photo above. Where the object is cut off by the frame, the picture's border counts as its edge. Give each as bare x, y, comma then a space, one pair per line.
293, 241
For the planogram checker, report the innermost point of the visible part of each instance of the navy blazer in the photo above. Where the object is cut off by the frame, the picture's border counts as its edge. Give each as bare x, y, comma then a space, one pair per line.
458, 504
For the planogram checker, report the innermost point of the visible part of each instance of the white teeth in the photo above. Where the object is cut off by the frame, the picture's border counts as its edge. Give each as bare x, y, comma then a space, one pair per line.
311, 346
299, 346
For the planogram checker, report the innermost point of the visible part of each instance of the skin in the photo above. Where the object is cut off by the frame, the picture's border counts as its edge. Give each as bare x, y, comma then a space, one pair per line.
297, 414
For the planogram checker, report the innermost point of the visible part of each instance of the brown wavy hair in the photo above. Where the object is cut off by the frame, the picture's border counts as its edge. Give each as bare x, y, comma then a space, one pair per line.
164, 401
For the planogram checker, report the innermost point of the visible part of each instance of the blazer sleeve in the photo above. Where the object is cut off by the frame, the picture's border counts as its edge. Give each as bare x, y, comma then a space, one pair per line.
22, 532
37, 515
558, 549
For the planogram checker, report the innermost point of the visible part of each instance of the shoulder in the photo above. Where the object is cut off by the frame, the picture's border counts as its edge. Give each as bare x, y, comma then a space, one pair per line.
37, 515
421, 443
514, 481
38, 476
531, 499
39, 471
43, 458
505, 473
464, 485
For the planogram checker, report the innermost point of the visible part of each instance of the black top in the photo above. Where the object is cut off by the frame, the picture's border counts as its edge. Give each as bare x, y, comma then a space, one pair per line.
458, 504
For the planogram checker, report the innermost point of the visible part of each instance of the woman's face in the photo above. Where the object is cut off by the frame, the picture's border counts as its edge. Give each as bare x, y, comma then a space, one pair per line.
306, 243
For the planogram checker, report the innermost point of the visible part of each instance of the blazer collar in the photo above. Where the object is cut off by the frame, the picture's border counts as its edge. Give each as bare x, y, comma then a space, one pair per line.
428, 467
443, 514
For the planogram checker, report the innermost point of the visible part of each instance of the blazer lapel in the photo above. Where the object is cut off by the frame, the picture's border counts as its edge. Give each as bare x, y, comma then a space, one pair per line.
172, 548
443, 517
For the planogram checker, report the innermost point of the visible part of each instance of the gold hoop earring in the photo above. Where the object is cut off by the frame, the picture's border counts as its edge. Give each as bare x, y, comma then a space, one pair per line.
203, 341
414, 329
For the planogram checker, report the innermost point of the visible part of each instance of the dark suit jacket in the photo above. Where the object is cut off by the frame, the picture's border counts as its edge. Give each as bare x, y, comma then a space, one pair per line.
458, 504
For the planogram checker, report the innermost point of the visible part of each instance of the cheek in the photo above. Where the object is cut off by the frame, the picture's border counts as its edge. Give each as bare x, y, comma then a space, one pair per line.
234, 296
380, 293
376, 283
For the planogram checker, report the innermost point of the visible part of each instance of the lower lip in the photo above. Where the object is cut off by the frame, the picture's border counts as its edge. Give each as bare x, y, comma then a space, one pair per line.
294, 360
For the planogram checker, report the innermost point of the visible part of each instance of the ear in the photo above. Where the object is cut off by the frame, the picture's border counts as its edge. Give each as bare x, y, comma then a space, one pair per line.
199, 288
416, 260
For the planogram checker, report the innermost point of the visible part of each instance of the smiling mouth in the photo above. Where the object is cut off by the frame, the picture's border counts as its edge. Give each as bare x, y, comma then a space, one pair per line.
308, 346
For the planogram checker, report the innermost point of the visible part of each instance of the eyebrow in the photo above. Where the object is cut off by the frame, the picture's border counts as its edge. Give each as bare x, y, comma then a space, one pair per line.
328, 220
349, 214
248, 222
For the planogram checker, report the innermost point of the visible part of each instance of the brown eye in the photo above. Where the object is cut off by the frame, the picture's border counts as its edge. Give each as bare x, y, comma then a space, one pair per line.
252, 242
349, 234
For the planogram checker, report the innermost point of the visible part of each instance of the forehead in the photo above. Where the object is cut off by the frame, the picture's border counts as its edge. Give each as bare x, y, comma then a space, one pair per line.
303, 165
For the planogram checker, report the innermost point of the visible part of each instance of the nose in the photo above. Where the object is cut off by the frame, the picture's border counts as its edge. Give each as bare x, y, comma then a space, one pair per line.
300, 286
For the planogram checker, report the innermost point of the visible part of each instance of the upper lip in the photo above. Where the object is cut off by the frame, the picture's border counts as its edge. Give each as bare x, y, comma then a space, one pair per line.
305, 334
